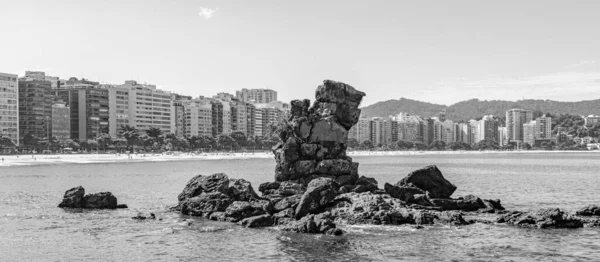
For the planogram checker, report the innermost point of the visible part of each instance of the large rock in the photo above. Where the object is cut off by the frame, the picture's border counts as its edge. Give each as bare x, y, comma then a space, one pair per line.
339, 100
543, 218
403, 193
239, 210
467, 203
241, 190
102, 200
328, 130
205, 204
257, 221
321, 223
285, 188
73, 197
431, 180
288, 202
590, 210
320, 192
205, 184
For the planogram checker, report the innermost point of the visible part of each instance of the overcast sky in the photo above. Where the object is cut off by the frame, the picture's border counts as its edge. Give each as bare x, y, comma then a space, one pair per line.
435, 51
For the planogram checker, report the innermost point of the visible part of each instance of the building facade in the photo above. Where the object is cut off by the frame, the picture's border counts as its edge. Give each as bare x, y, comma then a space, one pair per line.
256, 95
61, 121
149, 107
118, 108
89, 109
9, 106
35, 108
515, 118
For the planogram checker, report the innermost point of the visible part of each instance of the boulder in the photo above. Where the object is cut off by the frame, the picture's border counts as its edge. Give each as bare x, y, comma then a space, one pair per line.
467, 203
205, 184
239, 210
590, 210
320, 192
241, 190
339, 100
205, 204
286, 203
72, 198
285, 188
369, 182
321, 223
328, 130
257, 221
431, 180
543, 218
404, 193
452, 217
102, 200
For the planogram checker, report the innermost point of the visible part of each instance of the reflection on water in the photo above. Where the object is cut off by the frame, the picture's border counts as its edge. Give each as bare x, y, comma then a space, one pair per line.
32, 228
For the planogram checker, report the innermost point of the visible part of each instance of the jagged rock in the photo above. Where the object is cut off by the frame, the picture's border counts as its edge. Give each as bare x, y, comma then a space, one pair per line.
241, 190
467, 203
73, 197
345, 98
205, 203
452, 217
257, 221
431, 180
141, 216
590, 210
299, 108
491, 206
403, 193
320, 223
239, 210
320, 192
284, 217
328, 130
286, 203
543, 218
285, 188
102, 200
369, 183
309, 150
205, 184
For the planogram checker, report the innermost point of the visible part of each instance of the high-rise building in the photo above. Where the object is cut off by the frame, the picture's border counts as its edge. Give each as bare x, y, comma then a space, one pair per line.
89, 108
363, 130
464, 133
61, 120
149, 107
487, 129
118, 108
256, 95
199, 120
217, 117
502, 136
259, 128
378, 131
515, 118
529, 133
239, 117
41, 76
35, 108
9, 106
537, 131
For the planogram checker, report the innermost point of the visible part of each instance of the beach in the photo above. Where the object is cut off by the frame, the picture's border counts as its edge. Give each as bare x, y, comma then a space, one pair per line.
47, 159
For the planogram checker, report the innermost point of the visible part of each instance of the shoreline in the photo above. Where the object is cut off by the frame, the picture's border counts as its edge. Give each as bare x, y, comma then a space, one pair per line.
54, 159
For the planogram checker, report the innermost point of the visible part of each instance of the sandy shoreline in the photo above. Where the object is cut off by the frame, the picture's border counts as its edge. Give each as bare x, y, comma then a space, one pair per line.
26, 160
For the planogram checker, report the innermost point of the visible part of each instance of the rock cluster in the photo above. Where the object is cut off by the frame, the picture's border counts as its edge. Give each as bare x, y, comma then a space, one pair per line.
76, 198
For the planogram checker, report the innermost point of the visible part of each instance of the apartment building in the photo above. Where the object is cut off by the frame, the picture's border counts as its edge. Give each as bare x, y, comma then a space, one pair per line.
35, 108
61, 120
149, 106
9, 106
89, 107
256, 95
118, 108
515, 118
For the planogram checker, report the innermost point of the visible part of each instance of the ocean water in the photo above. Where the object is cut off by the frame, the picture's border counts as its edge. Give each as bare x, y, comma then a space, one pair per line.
32, 228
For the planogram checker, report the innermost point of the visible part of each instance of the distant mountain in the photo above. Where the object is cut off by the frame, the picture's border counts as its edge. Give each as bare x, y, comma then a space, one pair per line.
475, 108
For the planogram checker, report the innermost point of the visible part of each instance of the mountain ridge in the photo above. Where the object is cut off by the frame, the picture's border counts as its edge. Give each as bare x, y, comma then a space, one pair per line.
475, 108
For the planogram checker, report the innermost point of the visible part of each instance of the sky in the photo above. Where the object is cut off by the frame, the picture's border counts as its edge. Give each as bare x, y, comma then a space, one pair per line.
435, 51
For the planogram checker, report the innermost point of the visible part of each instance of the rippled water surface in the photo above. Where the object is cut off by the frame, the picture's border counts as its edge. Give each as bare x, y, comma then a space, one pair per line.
33, 228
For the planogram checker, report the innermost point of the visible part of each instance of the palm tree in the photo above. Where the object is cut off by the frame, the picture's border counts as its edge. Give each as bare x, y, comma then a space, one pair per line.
131, 134
154, 132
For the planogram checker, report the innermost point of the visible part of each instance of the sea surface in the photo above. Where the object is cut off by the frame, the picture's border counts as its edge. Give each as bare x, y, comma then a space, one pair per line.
32, 228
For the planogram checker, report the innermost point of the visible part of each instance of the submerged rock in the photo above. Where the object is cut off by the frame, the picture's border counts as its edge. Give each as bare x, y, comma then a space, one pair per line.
75, 198
543, 218
590, 210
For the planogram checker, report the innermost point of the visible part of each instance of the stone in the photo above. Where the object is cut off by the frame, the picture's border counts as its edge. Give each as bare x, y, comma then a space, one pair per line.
309, 150
452, 217
122, 206
299, 108
205, 184
404, 193
590, 210
286, 203
321, 223
268, 186
340, 100
328, 130
205, 203
102, 200
241, 190
346, 179
239, 210
467, 203
431, 180
320, 192
285, 188
543, 218
73, 198
369, 182
257, 221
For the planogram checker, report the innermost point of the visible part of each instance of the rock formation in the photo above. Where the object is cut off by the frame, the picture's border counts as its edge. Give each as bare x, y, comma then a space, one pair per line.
76, 198
317, 185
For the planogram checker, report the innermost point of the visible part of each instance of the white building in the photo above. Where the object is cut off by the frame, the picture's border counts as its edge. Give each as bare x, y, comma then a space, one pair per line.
118, 108
149, 107
256, 95
9, 106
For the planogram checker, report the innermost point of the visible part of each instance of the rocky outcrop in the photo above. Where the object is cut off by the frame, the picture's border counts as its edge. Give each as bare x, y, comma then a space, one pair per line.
590, 210
76, 198
430, 180
321, 192
543, 218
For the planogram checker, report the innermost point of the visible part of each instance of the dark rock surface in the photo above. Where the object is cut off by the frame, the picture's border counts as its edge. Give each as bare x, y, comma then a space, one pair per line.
590, 210
543, 218
320, 193
76, 198
430, 180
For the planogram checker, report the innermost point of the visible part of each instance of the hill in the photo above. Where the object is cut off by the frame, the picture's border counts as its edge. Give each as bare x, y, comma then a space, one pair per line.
475, 108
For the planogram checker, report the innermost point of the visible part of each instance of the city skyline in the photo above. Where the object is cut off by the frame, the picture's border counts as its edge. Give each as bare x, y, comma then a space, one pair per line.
470, 50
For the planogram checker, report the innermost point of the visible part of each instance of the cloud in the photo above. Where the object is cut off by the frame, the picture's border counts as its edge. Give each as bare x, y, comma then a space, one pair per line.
207, 13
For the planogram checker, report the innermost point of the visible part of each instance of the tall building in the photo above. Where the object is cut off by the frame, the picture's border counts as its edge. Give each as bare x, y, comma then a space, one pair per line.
41, 76
35, 108
409, 127
428, 129
217, 117
61, 120
198, 117
515, 118
256, 95
363, 130
9, 106
89, 111
464, 131
149, 107
487, 129
239, 117
537, 131
529, 133
118, 109
502, 136
378, 131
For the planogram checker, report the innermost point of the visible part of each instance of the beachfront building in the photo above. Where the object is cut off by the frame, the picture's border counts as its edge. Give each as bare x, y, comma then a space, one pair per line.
41, 76
409, 127
538, 131
118, 108
198, 117
89, 108
464, 133
35, 108
515, 118
427, 130
260, 96
502, 136
149, 107
61, 120
9, 106
487, 129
